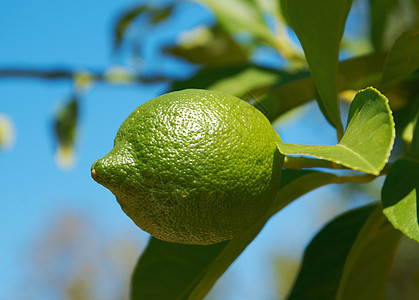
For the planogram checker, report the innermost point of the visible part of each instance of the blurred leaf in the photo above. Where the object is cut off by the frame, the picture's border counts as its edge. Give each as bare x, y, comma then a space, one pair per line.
269, 6
124, 21
238, 17
237, 80
65, 126
209, 46
402, 60
319, 25
83, 80
157, 15
368, 264
368, 139
118, 74
405, 118
208, 76
337, 262
163, 266
293, 90
252, 81
160, 14
360, 72
290, 90
283, 5
414, 146
400, 194
379, 12
287, 90
7, 132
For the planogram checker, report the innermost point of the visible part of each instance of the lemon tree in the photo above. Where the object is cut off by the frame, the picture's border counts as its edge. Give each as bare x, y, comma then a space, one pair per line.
202, 170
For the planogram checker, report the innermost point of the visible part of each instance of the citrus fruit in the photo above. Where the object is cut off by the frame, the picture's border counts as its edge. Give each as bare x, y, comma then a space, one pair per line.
193, 166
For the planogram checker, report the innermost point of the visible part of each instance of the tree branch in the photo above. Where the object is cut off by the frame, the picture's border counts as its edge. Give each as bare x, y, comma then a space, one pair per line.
68, 74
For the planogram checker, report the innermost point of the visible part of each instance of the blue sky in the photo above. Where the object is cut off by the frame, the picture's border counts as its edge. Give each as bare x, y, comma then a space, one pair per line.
77, 34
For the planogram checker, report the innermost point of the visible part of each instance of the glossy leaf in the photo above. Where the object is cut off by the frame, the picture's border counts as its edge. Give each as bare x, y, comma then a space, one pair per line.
402, 60
368, 264
379, 13
160, 266
368, 139
349, 258
400, 193
319, 25
239, 17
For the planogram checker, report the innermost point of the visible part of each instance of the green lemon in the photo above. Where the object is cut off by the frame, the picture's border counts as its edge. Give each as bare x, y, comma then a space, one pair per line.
193, 166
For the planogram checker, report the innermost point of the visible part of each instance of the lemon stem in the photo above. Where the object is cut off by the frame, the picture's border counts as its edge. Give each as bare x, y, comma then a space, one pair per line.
301, 162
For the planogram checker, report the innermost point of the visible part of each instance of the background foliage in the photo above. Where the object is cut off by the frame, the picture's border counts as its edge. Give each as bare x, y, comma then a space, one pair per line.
247, 48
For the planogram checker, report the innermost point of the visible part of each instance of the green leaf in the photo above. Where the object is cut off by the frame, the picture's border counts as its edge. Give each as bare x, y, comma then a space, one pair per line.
368, 264
157, 15
166, 270
65, 128
160, 14
379, 13
355, 73
210, 46
368, 139
65, 123
349, 258
188, 271
252, 80
289, 90
319, 25
302, 184
400, 193
124, 21
208, 76
238, 16
325, 256
414, 146
402, 60
405, 118
235, 80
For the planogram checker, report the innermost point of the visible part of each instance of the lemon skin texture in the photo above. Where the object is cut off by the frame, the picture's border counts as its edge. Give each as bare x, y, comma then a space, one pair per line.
193, 166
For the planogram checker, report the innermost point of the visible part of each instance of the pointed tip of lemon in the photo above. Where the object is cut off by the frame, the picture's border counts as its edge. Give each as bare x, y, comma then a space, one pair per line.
93, 173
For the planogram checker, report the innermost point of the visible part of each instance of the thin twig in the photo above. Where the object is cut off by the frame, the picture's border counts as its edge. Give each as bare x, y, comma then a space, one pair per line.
67, 74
